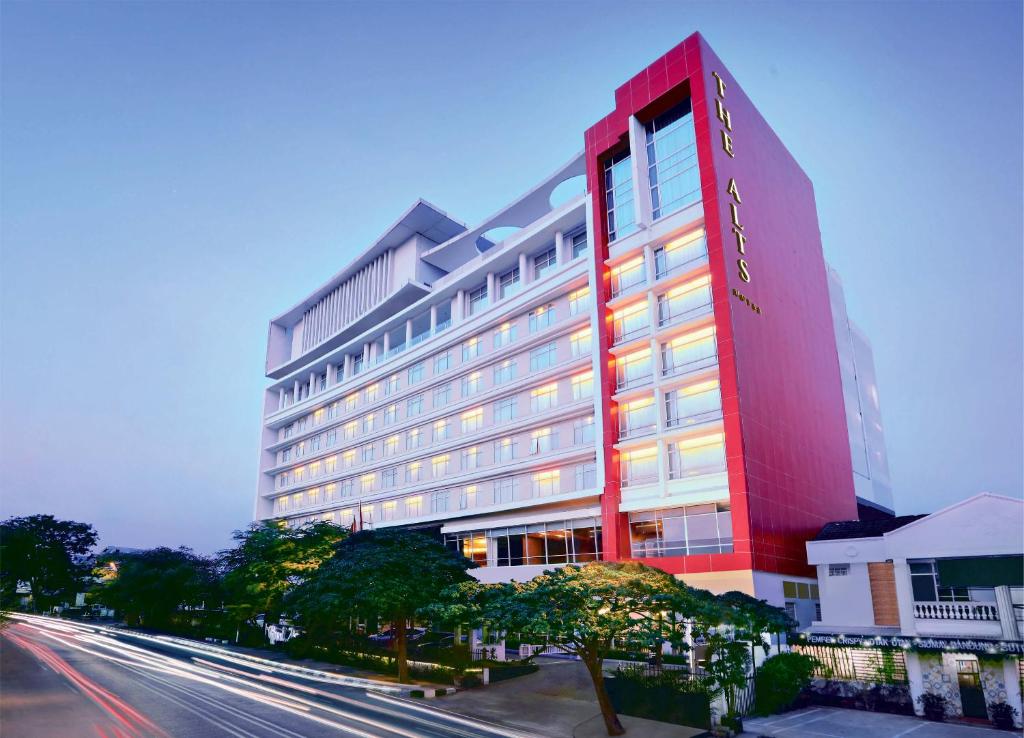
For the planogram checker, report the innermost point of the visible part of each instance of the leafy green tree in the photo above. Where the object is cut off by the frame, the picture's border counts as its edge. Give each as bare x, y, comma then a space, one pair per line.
780, 680
151, 587
384, 574
269, 560
47, 554
585, 609
753, 620
727, 668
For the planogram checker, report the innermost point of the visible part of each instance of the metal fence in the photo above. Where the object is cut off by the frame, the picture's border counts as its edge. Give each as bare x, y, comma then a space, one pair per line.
884, 666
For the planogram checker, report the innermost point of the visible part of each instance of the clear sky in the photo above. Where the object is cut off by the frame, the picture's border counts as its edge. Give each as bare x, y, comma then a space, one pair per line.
175, 174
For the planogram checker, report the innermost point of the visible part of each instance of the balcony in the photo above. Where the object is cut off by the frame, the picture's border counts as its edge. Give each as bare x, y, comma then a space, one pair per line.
956, 611
967, 619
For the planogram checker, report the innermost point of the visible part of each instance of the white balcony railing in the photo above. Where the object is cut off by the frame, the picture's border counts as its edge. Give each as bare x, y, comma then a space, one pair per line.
987, 611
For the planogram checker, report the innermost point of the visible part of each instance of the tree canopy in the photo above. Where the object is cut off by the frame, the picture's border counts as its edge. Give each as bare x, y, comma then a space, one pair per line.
386, 574
47, 554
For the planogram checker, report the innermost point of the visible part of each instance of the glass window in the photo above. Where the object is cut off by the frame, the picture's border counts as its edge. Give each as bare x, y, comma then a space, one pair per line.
542, 317
583, 386
544, 398
696, 456
543, 440
579, 244
414, 438
416, 373
367, 483
631, 322
414, 406
579, 300
838, 570
442, 429
633, 369
477, 299
672, 161
579, 343
505, 334
414, 506
389, 477
505, 371
628, 275
694, 404
391, 385
443, 362
504, 450
413, 471
637, 417
586, 476
543, 357
680, 252
639, 466
367, 453
689, 352
504, 490
372, 392
543, 263
508, 283
470, 458
472, 420
439, 501
505, 410
472, 348
618, 195
681, 531
546, 483
391, 446
471, 384
442, 395
440, 465
583, 430
685, 302
391, 414
467, 498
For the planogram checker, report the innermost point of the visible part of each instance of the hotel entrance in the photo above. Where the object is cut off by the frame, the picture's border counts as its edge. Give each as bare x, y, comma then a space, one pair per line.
972, 698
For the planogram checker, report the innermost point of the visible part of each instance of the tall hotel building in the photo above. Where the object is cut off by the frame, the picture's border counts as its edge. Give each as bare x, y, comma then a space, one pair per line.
644, 369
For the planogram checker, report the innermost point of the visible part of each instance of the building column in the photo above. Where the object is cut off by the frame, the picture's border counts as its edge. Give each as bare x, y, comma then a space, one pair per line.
904, 597
366, 356
280, 398
915, 680
348, 366
331, 377
373, 352
650, 271
492, 289
561, 254
641, 182
387, 343
433, 319
1007, 618
312, 383
408, 332
458, 306
524, 274
295, 392
1011, 678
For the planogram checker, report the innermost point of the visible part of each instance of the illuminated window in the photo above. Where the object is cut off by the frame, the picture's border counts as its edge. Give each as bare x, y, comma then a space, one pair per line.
618, 195
331, 492
472, 420
297, 499
347, 516
443, 362
281, 503
543, 440
505, 334
442, 430
470, 458
579, 343
472, 348
634, 368
391, 385
350, 429
318, 416
546, 483
350, 402
542, 317
695, 456
471, 384
314, 496
387, 510
413, 471
300, 473
685, 302
583, 386
505, 371
504, 450
672, 161
579, 301
583, 430
639, 466
508, 283
414, 506
681, 531
391, 445
414, 438
696, 403
367, 512
543, 357
440, 465
367, 482
331, 464
348, 458
544, 398
689, 352
637, 417
467, 498
369, 422
677, 254
543, 263
372, 392
627, 275
631, 322
504, 410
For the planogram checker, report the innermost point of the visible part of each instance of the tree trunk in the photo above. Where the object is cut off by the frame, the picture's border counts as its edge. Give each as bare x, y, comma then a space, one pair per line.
402, 651
611, 720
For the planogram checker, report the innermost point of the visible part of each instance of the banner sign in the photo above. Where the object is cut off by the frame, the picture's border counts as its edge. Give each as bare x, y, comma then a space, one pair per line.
970, 645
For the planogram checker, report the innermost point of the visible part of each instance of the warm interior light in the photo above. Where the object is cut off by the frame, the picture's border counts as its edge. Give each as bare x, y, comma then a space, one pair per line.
685, 239
701, 441
694, 336
696, 389
693, 284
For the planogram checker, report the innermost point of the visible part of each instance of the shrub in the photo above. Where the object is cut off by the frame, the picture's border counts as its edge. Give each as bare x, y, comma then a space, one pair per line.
781, 679
1002, 715
934, 706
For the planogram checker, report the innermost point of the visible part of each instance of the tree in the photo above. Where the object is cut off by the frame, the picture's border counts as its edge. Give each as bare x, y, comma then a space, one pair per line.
752, 618
727, 668
150, 587
269, 560
781, 679
46, 554
586, 608
386, 574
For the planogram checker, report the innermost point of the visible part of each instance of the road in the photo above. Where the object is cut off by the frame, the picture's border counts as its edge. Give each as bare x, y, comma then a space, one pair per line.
70, 679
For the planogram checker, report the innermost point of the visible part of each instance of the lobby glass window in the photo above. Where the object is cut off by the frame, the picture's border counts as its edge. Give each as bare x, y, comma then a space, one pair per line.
544, 398
583, 431
672, 160
689, 352
504, 450
504, 410
618, 195
416, 373
472, 348
472, 420
556, 542
443, 362
472, 383
680, 253
695, 456
477, 300
579, 343
633, 369
627, 275
505, 334
543, 357
505, 371
414, 406
585, 476
544, 262
508, 283
442, 395
681, 531
471, 545
697, 403
541, 318
579, 244
579, 301
639, 466
637, 417
631, 322
583, 386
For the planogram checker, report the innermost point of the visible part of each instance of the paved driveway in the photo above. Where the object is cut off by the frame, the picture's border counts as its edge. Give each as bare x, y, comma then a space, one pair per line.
835, 722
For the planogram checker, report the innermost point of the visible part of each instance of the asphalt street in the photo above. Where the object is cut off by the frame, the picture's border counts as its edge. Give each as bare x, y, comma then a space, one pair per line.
70, 679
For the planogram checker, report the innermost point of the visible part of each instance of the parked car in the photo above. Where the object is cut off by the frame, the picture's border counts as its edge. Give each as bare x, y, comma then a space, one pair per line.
387, 637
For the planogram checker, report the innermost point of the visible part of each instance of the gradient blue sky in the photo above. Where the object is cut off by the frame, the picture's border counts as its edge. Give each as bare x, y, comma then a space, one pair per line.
175, 174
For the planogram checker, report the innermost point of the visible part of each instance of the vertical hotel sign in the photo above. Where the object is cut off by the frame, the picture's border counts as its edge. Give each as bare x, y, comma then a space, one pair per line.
732, 192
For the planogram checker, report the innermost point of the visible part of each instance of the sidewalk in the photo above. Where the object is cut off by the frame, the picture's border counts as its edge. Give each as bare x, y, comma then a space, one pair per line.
836, 722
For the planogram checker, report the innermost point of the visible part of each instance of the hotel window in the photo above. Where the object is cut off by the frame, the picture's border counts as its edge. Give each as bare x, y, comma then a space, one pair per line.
627, 275
633, 369
504, 409
314, 496
413, 471
689, 352
391, 445
416, 373
467, 498
281, 504
391, 385
471, 384
300, 473
637, 417
348, 487
579, 343
505, 371
442, 395
544, 398
314, 443
357, 364
681, 531
543, 440
508, 283
543, 263
414, 406
350, 402
414, 438
442, 430
685, 302
367, 482
504, 490
618, 195
583, 431
286, 456
369, 422
639, 466
387, 510
583, 386
546, 483
472, 348
332, 410
443, 362
543, 357
838, 570
288, 431
368, 453
389, 477
414, 506
672, 160
321, 382
680, 252
561, 542
439, 501
302, 423
331, 464
332, 436
542, 317
346, 517
318, 416
297, 499
472, 420
339, 374
440, 466
470, 458
372, 392
366, 511
477, 300
504, 450
694, 404
579, 244
300, 449
331, 492
631, 322
391, 414
695, 456
579, 300
586, 476
504, 335
314, 469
